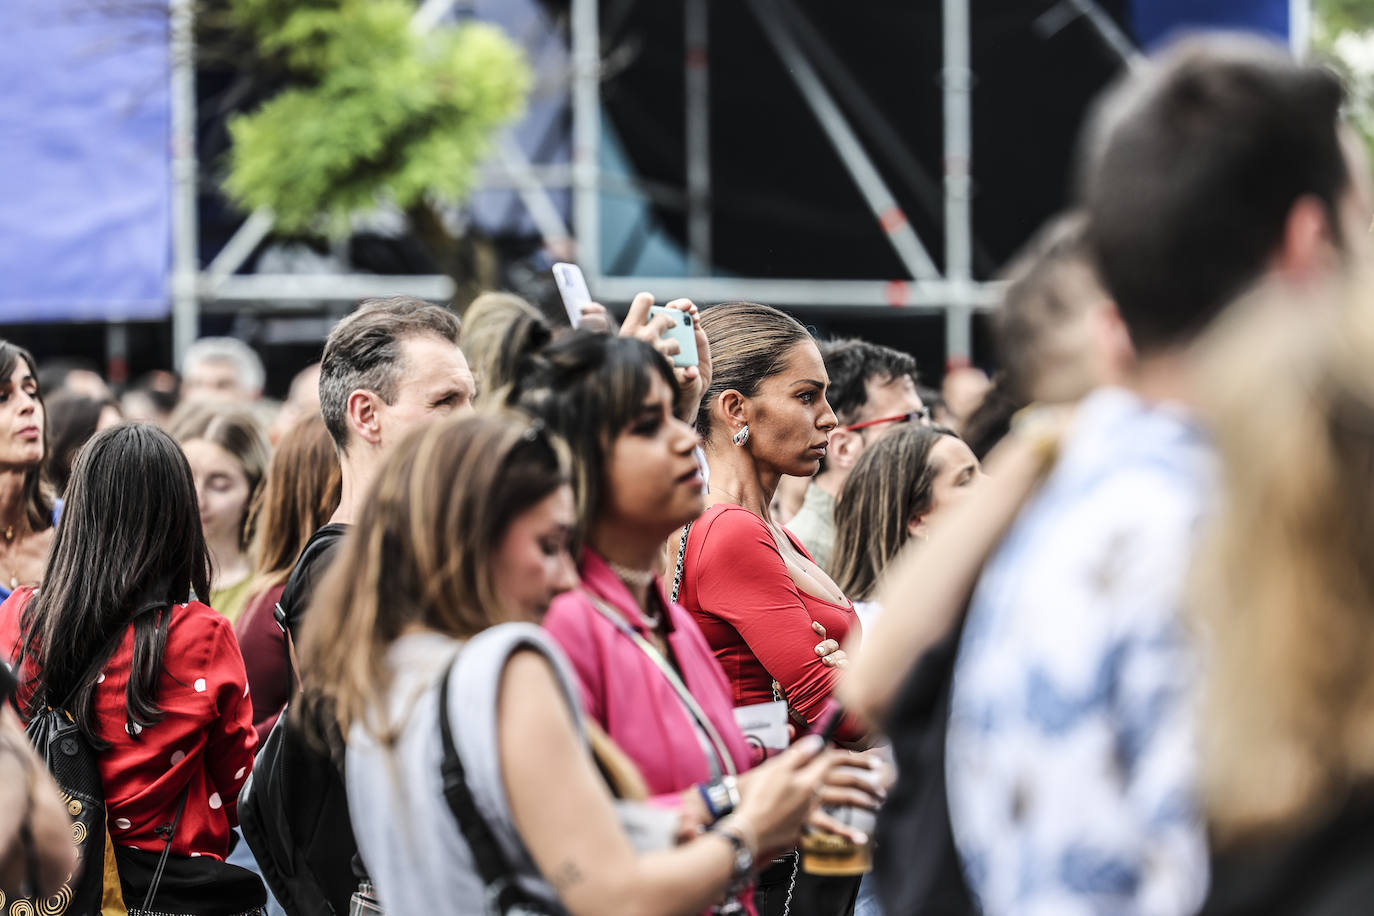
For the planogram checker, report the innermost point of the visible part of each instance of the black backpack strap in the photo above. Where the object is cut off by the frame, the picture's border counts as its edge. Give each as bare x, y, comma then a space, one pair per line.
301, 580
495, 871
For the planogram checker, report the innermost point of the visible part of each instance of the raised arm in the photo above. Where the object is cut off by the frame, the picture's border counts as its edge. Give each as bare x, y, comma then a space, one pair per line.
925, 589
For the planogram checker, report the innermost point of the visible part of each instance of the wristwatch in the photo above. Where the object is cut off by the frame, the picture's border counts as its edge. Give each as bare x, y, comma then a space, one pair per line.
744, 859
721, 796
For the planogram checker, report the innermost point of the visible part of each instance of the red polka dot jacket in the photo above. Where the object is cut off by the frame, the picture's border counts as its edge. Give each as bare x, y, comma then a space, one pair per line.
204, 742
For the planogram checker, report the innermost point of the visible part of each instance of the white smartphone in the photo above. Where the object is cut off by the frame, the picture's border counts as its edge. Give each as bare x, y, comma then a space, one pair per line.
572, 286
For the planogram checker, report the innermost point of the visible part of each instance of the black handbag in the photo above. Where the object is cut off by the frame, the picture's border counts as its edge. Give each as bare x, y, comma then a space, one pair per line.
200, 885
74, 766
504, 896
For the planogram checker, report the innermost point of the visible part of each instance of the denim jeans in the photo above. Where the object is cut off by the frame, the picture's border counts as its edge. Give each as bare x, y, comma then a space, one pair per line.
242, 856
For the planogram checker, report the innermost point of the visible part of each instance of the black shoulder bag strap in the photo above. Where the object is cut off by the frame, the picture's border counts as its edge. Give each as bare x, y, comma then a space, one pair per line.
503, 894
166, 832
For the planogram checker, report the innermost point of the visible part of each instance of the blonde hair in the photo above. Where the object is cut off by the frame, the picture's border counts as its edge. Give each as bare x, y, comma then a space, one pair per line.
499, 330
1284, 584
421, 554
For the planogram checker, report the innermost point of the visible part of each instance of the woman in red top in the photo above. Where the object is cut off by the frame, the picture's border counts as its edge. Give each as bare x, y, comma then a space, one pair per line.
153, 679
752, 587
618, 404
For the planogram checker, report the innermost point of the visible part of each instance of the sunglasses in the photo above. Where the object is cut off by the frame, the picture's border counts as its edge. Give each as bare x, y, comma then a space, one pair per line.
921, 416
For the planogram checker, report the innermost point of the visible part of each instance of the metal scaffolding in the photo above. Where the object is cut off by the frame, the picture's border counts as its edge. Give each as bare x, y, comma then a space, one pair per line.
806, 59
953, 292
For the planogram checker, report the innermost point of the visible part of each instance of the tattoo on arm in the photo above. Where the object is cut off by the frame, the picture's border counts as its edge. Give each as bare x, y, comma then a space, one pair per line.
567, 876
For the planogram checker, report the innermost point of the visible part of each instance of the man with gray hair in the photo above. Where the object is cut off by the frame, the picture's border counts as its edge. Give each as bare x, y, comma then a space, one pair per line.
390, 367
223, 369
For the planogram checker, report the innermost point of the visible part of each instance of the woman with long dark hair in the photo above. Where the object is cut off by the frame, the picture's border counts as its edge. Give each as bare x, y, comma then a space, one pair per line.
153, 678
28, 506
749, 582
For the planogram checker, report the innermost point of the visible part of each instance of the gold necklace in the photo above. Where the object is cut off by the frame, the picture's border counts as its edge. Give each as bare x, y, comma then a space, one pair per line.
9, 544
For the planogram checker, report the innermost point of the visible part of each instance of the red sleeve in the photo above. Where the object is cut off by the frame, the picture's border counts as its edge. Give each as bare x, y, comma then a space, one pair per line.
742, 578
231, 741
569, 623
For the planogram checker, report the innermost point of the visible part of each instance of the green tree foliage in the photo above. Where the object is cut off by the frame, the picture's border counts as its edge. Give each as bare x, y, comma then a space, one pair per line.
1343, 35
1335, 16
372, 112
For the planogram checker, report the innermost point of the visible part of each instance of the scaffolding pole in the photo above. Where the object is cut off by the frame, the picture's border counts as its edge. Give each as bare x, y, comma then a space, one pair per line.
586, 45
698, 83
958, 107
891, 295
185, 233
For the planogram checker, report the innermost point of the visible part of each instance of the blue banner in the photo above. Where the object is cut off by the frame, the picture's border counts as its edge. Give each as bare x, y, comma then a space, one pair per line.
1156, 21
85, 174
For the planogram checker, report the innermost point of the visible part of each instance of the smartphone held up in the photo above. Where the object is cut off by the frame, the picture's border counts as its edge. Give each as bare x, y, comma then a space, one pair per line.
683, 331
572, 288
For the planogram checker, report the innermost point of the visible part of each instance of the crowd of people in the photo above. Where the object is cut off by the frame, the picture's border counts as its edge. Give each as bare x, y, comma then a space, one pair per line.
498, 616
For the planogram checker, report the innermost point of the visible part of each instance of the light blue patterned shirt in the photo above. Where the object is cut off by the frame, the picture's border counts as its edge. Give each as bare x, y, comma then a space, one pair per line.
1071, 746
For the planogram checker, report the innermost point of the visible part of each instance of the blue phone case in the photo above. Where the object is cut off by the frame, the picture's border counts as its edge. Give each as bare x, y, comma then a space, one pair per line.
683, 331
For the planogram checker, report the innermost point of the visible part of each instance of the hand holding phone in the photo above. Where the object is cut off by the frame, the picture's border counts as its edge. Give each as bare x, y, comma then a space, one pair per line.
683, 331
572, 288
680, 340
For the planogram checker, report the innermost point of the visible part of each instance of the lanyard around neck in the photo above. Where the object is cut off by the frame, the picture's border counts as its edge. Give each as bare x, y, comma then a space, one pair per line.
718, 755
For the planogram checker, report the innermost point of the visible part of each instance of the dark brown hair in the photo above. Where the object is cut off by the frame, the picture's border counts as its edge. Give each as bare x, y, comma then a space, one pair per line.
129, 546
851, 364
588, 388
38, 495
749, 343
1193, 164
72, 420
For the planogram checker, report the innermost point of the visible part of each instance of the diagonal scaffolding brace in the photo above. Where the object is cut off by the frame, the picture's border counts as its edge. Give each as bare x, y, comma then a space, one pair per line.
857, 162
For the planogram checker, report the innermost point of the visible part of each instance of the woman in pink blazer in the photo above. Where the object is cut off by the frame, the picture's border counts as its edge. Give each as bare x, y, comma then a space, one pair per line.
645, 672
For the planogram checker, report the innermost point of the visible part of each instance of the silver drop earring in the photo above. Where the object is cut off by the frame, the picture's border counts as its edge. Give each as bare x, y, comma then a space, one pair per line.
741, 437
